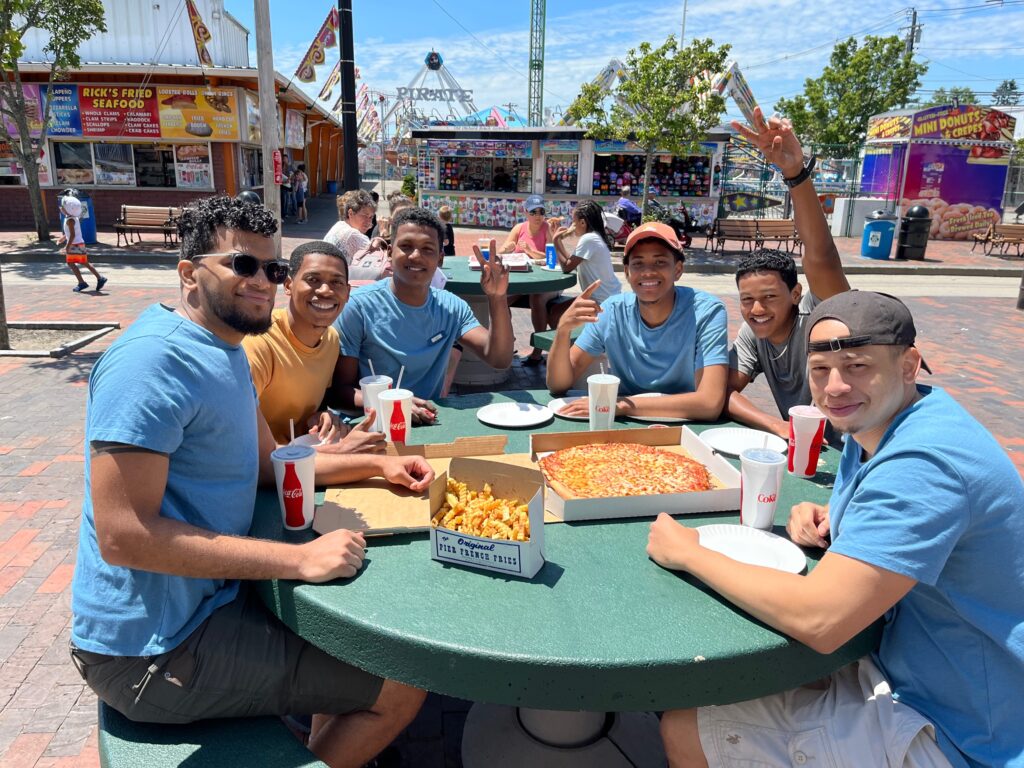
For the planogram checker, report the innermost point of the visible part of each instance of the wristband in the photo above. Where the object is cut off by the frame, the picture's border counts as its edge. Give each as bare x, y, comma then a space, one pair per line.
803, 176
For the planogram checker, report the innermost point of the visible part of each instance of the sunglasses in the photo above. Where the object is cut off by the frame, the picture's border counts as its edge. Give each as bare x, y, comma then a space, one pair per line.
537, 212
247, 265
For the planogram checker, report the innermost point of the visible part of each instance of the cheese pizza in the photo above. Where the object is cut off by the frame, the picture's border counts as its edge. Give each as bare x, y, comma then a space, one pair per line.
622, 469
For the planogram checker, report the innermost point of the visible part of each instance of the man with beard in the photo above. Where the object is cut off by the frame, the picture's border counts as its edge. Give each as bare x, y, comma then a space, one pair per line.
923, 528
659, 338
772, 302
164, 628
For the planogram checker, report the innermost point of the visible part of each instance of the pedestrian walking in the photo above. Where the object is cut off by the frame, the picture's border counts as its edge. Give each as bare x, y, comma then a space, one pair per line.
74, 244
300, 188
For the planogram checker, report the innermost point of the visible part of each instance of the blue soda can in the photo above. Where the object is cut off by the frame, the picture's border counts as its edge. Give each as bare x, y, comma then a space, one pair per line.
550, 257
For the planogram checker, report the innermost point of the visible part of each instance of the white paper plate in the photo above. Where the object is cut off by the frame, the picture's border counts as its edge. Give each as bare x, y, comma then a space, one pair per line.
514, 414
753, 546
307, 439
656, 419
546, 268
735, 440
560, 402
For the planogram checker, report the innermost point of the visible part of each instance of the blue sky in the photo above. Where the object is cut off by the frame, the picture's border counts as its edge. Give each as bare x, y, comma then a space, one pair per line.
777, 43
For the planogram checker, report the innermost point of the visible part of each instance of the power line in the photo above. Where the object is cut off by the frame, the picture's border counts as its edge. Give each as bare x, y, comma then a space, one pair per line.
890, 20
971, 8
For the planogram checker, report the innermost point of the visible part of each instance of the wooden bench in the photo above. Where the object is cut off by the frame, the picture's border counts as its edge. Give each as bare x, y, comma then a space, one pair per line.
744, 230
782, 231
256, 741
135, 219
1005, 235
983, 239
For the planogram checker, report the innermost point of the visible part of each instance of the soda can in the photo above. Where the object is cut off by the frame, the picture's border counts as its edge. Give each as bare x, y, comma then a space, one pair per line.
396, 413
484, 244
806, 435
760, 482
550, 257
295, 471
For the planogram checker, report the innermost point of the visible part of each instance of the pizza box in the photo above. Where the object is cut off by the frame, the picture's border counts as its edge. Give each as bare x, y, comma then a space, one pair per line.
516, 262
678, 439
513, 558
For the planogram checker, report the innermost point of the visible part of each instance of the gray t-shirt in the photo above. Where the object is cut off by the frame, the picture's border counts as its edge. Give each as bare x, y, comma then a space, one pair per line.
783, 365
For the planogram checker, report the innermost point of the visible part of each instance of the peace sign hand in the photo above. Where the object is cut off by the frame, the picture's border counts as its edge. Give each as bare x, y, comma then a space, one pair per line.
776, 140
494, 275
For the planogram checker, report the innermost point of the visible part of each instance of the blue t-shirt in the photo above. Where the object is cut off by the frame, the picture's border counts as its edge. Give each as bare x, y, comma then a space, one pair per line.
376, 326
170, 386
941, 502
662, 359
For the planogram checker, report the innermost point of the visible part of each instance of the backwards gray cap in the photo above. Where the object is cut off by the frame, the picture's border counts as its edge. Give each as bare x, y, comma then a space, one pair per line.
873, 318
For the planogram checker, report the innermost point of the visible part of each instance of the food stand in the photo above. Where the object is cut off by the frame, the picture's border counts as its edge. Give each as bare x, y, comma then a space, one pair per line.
953, 160
483, 174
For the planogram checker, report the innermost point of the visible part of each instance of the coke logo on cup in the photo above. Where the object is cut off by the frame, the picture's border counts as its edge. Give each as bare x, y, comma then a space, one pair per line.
602, 408
766, 498
398, 426
292, 493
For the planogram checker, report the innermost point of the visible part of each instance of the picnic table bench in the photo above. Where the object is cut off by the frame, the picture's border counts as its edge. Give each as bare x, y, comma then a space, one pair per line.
253, 741
782, 231
743, 230
151, 218
1001, 236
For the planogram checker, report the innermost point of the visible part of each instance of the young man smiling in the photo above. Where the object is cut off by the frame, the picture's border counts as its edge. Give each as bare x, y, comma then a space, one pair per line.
659, 338
923, 528
403, 321
772, 303
294, 362
164, 628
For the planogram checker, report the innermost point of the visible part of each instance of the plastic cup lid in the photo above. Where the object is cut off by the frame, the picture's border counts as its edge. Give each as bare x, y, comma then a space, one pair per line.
395, 394
808, 411
602, 378
763, 456
292, 452
378, 379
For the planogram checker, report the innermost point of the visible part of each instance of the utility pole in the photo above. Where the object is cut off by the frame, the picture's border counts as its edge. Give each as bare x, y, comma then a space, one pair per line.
350, 143
682, 32
913, 32
269, 114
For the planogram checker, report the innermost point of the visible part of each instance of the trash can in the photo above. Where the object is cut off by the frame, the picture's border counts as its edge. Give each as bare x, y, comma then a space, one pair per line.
879, 227
913, 238
332, 187
88, 218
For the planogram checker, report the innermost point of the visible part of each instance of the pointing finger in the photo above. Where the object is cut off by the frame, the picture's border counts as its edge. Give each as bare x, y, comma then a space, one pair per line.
589, 290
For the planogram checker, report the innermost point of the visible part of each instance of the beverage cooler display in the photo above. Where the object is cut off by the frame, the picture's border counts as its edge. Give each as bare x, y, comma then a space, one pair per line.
561, 172
670, 177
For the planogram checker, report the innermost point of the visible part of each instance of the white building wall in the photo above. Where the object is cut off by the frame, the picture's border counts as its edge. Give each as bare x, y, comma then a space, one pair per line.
156, 32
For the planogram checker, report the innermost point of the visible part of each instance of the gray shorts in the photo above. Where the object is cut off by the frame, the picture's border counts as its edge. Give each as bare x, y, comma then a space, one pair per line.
240, 662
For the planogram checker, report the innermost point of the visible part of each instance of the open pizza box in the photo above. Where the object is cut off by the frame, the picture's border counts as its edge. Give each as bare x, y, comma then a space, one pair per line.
724, 497
515, 558
377, 508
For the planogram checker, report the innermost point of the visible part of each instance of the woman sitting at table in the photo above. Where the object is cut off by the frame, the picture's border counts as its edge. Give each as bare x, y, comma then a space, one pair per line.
531, 237
591, 256
660, 338
355, 211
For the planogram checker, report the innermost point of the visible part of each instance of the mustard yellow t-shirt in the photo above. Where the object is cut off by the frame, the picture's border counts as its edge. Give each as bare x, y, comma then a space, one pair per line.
290, 378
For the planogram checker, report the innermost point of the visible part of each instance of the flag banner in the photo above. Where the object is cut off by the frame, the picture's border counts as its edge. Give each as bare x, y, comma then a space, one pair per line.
201, 34
332, 80
326, 38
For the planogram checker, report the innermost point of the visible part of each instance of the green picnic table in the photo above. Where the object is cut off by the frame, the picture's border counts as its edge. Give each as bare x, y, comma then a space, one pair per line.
600, 627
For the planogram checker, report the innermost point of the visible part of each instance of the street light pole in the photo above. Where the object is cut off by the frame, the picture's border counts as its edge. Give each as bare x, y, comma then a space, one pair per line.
268, 113
682, 32
350, 144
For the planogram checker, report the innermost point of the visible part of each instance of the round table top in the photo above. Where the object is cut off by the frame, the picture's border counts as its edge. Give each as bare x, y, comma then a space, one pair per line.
464, 281
600, 627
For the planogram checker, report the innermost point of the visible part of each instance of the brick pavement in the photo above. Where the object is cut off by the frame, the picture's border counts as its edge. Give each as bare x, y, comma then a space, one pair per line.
47, 717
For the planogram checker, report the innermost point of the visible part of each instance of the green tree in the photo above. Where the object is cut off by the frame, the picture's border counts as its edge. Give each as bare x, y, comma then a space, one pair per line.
957, 94
69, 23
1006, 94
860, 80
660, 101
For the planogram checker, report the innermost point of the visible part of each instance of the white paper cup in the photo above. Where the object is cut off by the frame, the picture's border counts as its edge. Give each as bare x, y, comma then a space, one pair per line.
760, 481
806, 434
295, 470
396, 413
603, 390
371, 387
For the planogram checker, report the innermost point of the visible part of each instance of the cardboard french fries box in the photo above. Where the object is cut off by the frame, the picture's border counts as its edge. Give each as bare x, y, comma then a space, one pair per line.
725, 495
514, 558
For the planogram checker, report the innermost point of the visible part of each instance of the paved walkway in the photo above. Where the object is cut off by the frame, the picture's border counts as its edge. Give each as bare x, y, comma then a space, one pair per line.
971, 335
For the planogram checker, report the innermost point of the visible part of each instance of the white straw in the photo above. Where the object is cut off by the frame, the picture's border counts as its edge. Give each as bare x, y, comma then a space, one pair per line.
398, 384
291, 426
602, 368
765, 443
372, 372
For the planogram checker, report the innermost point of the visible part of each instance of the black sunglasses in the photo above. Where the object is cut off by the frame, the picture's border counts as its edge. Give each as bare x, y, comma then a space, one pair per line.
247, 265
537, 212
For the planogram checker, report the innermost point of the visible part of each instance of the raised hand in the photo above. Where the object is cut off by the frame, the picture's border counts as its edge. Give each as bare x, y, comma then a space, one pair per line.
776, 140
494, 275
582, 310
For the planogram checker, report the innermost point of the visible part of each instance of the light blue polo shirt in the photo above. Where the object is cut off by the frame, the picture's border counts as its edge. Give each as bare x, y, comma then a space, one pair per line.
941, 502
376, 326
662, 359
169, 386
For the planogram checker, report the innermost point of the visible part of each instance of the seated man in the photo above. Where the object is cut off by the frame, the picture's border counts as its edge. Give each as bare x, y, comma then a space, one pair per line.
294, 362
162, 629
403, 321
771, 339
659, 338
926, 531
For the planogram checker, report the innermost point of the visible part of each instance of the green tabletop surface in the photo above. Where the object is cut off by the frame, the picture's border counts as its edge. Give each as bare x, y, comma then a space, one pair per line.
464, 281
600, 627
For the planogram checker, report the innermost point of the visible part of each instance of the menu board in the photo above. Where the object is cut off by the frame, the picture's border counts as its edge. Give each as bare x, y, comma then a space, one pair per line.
65, 117
480, 148
33, 108
188, 112
253, 132
118, 111
294, 130
192, 166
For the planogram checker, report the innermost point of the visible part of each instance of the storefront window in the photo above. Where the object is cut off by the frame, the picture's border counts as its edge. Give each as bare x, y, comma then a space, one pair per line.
670, 176
73, 163
154, 165
560, 174
114, 164
484, 174
252, 167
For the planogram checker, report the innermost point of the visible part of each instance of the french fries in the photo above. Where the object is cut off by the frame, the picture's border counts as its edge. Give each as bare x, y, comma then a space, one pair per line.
478, 513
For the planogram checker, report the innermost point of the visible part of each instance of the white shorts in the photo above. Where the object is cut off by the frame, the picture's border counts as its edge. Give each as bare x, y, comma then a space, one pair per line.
852, 723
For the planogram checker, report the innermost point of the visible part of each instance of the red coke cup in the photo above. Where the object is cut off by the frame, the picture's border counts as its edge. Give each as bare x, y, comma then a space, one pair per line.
295, 470
396, 413
806, 435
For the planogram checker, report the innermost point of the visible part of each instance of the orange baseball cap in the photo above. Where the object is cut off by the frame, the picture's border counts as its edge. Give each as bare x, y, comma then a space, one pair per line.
653, 230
